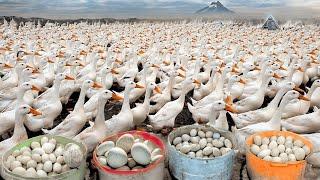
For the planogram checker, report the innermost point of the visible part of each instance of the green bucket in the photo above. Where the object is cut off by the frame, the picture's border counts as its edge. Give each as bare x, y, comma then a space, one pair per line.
74, 174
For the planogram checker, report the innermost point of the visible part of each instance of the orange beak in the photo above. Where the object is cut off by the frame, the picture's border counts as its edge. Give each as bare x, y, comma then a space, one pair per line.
35, 88
116, 96
298, 89
113, 71
139, 86
7, 66
241, 60
234, 70
35, 112
167, 63
257, 68
83, 53
96, 85
275, 75
157, 89
29, 66
300, 69
36, 53
50, 61
68, 78
118, 61
155, 66
19, 59
230, 108
82, 64
242, 81
182, 68
35, 71
283, 68
303, 98
197, 82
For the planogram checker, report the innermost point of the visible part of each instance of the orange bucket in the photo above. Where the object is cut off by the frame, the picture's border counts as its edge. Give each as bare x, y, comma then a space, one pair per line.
266, 170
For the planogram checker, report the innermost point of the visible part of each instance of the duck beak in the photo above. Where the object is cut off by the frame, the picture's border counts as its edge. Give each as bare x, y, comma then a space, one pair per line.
283, 68
50, 61
302, 97
234, 70
36, 53
82, 64
29, 66
257, 68
139, 86
68, 78
315, 61
7, 66
230, 108
197, 82
35, 112
96, 85
83, 53
155, 66
167, 63
275, 75
242, 81
181, 75
157, 89
68, 64
228, 100
241, 60
182, 68
113, 71
298, 89
118, 61
19, 59
116, 97
300, 69
100, 51
35, 88
35, 71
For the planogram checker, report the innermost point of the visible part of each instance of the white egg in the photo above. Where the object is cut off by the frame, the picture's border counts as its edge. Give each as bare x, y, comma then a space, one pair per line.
125, 142
15, 164
16, 153
193, 132
195, 139
177, 140
292, 158
275, 152
298, 143
281, 140
217, 143
264, 146
117, 157
44, 140
227, 143
102, 160
273, 138
192, 154
255, 149
24, 159
39, 166
48, 147
32, 164
289, 151
60, 160
19, 170
25, 148
281, 148
216, 152
264, 153
36, 157
267, 158
276, 159
185, 137
44, 158
57, 168
185, 149
224, 150
209, 134
131, 162
209, 140
195, 147
59, 151
299, 153
47, 166
257, 140
203, 143
201, 134
199, 154
38, 151
265, 140
284, 157
53, 141
65, 168
52, 158
179, 146
31, 172
207, 151
26, 153
273, 144
35, 144
41, 173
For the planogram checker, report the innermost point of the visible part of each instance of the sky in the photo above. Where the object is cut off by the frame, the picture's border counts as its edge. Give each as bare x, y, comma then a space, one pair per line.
143, 8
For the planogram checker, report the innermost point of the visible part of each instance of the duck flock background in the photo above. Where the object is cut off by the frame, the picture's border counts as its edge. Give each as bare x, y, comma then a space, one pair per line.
233, 77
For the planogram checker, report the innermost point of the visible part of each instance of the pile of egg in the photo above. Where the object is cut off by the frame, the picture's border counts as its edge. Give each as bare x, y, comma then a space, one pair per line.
128, 153
41, 159
202, 144
279, 149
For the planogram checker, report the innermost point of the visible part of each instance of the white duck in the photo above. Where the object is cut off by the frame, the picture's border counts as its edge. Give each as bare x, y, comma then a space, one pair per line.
219, 109
75, 121
19, 133
141, 111
165, 117
299, 107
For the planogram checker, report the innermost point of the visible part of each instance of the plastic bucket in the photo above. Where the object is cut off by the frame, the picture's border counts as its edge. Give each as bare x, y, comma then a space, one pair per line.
73, 174
154, 171
261, 169
188, 168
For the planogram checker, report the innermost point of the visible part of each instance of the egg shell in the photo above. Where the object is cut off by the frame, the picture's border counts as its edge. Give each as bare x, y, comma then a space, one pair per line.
156, 158
44, 140
60, 160
123, 168
209, 134
289, 151
203, 143
31, 172
267, 158
137, 167
281, 148
150, 145
53, 141
257, 140
185, 143
25, 148
299, 153
52, 158
44, 158
39, 166
276, 159
38, 151
227, 143
288, 144
209, 140
292, 158
41, 173
35, 144
19, 170
47, 166
216, 152
185, 137
289, 138
104, 147
298, 143
131, 162
16, 153
264, 146
265, 140
306, 149
18, 158
125, 142
222, 139
117, 157
281, 140
273, 138
26, 153
264, 153
217, 143
199, 154
195, 147
209, 145
185, 149
284, 157
36, 157
73, 155
177, 140
192, 154
275, 152
31, 164
216, 135
57, 168
15, 164
195, 139
65, 168
193, 132
59, 151
102, 160
201, 134
207, 151
178, 146
48, 147
224, 150
273, 144
255, 149
156, 151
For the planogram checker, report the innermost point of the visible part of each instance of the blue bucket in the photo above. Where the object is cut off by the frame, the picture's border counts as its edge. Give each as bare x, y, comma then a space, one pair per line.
184, 167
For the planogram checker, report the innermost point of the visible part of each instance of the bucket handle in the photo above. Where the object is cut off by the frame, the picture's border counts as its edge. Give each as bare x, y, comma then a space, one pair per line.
279, 165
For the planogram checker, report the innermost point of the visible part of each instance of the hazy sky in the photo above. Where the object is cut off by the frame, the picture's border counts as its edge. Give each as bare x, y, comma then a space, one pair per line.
140, 8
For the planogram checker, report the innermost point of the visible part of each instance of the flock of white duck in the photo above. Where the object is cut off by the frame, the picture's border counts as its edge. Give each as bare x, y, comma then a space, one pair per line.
226, 69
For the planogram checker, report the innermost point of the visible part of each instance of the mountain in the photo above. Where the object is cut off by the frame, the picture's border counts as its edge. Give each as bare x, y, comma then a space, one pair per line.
214, 8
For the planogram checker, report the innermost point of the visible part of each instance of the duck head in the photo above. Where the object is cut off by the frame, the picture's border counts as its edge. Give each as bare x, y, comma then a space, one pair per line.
26, 109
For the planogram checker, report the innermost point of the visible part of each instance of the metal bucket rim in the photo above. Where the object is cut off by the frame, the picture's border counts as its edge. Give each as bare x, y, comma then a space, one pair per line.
195, 158
142, 134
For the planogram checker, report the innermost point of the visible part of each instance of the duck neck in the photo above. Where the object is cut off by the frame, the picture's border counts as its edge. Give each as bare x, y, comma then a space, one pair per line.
56, 87
100, 119
146, 101
20, 95
168, 89
264, 84
19, 129
212, 117
126, 100
79, 105
275, 101
276, 118
221, 81
245, 72
212, 76
310, 92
